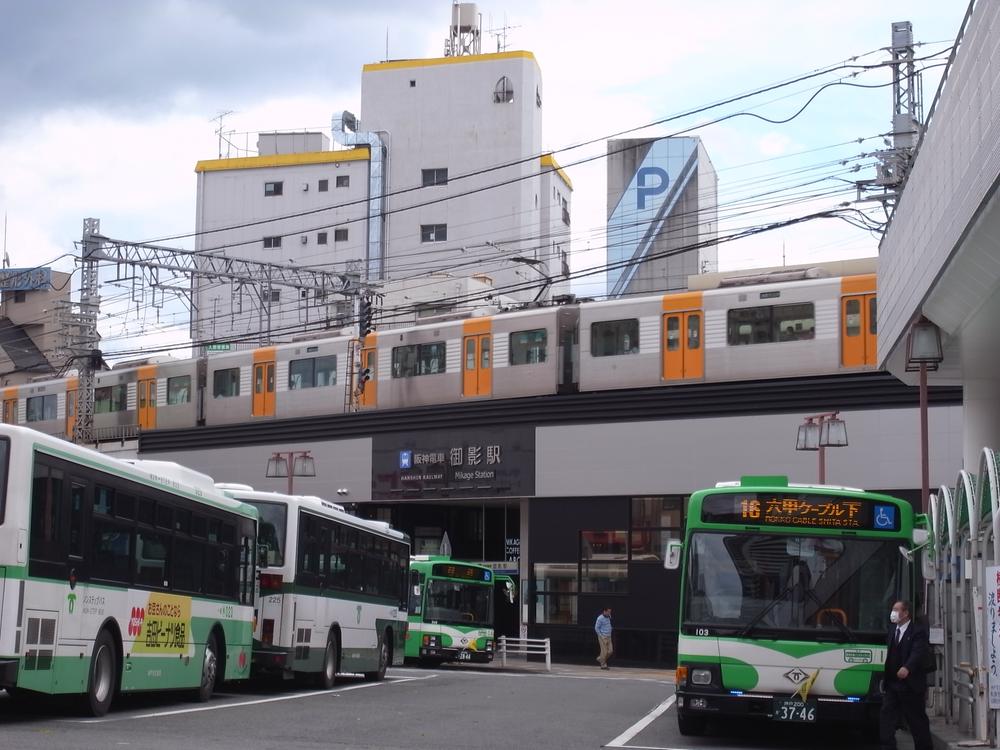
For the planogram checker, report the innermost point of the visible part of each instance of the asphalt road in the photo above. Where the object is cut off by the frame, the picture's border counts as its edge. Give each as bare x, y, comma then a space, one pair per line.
440, 709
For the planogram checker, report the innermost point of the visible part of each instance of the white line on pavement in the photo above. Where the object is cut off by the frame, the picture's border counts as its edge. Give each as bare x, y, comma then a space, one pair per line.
555, 675
240, 704
622, 739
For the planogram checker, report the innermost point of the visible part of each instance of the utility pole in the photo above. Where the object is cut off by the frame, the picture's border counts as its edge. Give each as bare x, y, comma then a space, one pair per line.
88, 355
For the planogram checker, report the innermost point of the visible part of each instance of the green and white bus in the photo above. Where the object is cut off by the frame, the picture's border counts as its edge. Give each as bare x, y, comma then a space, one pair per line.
332, 589
785, 598
118, 576
451, 611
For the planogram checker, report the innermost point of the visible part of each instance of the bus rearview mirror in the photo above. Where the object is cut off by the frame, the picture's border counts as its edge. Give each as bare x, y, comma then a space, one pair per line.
672, 559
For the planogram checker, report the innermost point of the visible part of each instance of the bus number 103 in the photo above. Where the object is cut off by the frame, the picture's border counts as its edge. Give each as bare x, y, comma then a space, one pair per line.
701, 631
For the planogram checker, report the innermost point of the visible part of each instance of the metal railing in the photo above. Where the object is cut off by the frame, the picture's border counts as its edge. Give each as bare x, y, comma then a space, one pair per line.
525, 647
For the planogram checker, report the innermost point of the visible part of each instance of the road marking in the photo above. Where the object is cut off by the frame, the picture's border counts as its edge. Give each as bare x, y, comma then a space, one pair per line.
557, 675
241, 704
622, 739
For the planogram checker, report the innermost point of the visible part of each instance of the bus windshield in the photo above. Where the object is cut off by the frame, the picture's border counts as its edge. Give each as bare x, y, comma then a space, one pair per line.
823, 587
459, 603
271, 530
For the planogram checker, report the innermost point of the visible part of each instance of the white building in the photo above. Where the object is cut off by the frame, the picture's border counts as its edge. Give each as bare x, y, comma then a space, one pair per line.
442, 180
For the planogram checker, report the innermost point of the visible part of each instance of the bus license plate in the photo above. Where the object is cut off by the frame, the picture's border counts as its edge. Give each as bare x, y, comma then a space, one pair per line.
786, 709
464, 656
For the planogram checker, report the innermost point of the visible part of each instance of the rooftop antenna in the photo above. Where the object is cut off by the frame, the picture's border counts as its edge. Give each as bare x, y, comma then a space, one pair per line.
501, 34
219, 131
6, 258
387, 43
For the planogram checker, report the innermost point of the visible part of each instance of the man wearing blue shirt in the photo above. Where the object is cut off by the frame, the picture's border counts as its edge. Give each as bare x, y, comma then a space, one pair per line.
603, 629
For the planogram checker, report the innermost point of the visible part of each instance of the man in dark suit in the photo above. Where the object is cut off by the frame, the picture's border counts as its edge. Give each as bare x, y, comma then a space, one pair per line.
905, 683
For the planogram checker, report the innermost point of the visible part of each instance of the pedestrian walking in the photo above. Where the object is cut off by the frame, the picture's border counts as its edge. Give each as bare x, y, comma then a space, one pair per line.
905, 680
603, 629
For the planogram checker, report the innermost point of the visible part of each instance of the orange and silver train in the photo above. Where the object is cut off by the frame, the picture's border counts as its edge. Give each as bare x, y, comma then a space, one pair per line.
811, 326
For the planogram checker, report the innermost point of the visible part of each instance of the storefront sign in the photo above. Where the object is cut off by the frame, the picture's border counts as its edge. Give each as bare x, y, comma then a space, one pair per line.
512, 548
993, 633
498, 462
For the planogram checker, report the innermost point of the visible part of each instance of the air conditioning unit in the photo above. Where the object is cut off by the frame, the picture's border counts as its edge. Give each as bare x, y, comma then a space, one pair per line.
303, 239
305, 187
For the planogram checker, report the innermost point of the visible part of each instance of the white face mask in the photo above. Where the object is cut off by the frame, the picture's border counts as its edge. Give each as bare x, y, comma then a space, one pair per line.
894, 617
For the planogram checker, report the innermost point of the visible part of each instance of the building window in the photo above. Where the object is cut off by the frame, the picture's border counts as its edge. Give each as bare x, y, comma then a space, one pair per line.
272, 242
315, 372
655, 520
604, 562
538, 97
418, 359
226, 383
41, 408
275, 295
273, 188
343, 180
556, 589
324, 186
771, 323
433, 177
610, 338
321, 238
528, 347
433, 232
413, 84
503, 92
179, 390
340, 235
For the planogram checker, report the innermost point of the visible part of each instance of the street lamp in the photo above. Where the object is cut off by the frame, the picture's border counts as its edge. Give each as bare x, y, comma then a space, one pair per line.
923, 354
301, 462
538, 265
819, 432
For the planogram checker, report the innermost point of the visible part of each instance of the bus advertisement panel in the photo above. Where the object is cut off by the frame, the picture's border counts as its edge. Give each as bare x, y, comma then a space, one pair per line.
785, 594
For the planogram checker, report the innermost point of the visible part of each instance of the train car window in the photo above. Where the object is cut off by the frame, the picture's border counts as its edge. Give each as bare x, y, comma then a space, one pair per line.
611, 338
673, 333
852, 317
41, 408
470, 354
326, 370
873, 315
418, 359
110, 399
179, 390
694, 331
528, 347
315, 372
226, 383
771, 323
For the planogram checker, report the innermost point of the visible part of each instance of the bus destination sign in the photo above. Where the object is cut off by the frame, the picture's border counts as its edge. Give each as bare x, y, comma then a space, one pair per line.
464, 572
800, 510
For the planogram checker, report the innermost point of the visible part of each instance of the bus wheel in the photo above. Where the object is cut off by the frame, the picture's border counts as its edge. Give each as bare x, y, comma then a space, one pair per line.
691, 726
103, 675
384, 657
209, 669
328, 675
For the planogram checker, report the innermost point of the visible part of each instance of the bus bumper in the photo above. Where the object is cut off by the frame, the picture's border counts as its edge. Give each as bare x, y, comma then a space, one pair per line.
8, 672
456, 654
269, 660
714, 705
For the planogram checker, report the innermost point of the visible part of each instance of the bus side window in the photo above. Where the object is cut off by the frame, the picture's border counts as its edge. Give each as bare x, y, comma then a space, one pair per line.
415, 591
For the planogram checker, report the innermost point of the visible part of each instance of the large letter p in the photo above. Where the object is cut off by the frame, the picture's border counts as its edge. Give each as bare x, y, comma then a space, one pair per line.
643, 189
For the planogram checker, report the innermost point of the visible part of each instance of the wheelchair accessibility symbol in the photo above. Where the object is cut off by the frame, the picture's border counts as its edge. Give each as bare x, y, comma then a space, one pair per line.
885, 517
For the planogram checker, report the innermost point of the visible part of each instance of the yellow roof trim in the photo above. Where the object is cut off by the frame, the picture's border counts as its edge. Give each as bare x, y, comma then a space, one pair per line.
547, 160
283, 160
428, 62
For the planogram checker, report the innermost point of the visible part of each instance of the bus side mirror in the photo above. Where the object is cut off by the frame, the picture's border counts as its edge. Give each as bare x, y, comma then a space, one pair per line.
672, 560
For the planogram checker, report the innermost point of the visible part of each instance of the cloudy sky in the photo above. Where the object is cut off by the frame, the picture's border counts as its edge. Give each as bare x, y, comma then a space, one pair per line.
108, 104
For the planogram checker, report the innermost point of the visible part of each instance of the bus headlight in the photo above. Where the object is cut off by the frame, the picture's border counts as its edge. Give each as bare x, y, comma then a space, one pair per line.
701, 676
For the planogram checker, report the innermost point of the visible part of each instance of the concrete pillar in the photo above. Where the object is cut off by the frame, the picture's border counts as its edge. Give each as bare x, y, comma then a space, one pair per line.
524, 570
980, 418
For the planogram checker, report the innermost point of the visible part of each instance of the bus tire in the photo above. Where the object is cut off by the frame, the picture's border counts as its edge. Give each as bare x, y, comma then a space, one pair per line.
103, 675
691, 726
209, 669
328, 674
384, 658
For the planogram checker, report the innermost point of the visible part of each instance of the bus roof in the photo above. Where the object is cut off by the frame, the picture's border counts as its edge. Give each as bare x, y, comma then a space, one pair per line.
312, 503
782, 481
161, 474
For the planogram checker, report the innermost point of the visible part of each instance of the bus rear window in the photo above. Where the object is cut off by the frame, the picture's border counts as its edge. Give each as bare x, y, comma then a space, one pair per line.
271, 534
4, 456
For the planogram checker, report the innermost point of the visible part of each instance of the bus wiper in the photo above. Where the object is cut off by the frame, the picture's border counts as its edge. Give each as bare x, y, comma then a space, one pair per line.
764, 612
841, 625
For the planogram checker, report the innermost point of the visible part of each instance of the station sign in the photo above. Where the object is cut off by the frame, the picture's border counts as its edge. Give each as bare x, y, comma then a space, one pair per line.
803, 510
438, 464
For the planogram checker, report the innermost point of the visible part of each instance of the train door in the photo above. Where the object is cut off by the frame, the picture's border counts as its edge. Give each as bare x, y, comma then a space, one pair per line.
146, 397
683, 328
263, 383
477, 358
71, 389
368, 375
858, 322
10, 405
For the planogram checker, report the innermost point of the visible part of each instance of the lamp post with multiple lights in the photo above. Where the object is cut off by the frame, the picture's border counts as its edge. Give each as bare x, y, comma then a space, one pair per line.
819, 432
291, 464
